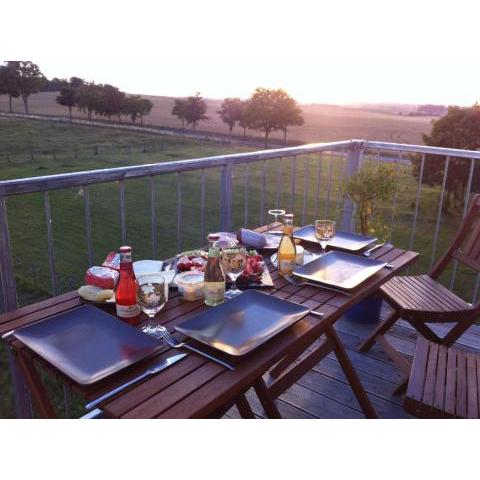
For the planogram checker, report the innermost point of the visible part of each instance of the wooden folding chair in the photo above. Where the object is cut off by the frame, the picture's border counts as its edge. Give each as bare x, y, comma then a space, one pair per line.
422, 300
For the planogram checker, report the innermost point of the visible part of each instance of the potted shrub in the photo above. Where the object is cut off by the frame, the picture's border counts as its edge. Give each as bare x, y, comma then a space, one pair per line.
369, 189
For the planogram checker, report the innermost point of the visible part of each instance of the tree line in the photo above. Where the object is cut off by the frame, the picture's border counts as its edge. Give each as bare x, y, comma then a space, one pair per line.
23, 78
266, 110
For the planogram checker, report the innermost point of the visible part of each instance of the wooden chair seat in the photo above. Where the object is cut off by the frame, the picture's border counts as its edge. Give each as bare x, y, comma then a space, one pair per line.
421, 298
444, 382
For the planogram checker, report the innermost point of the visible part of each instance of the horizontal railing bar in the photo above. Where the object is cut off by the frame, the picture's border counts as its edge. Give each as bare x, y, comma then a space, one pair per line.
405, 147
65, 180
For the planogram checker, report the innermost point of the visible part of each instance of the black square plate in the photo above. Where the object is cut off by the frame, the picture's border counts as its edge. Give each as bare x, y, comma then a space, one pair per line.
342, 240
88, 344
239, 325
340, 269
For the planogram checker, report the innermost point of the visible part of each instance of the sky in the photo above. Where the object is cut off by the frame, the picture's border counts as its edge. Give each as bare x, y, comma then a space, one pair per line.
335, 51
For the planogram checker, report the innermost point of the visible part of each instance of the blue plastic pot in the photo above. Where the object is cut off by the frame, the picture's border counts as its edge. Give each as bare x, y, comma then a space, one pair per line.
366, 311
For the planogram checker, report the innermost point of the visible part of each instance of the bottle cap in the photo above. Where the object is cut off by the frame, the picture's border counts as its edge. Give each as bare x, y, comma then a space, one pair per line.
213, 237
125, 249
289, 216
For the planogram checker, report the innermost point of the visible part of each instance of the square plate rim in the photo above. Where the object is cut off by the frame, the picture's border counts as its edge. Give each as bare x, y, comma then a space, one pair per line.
250, 348
153, 352
378, 263
366, 245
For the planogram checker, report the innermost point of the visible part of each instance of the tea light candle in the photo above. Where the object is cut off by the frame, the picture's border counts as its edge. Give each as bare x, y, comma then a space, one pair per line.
299, 257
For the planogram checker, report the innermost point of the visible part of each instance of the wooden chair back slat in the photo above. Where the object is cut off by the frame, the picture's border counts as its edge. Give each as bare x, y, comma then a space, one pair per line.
466, 245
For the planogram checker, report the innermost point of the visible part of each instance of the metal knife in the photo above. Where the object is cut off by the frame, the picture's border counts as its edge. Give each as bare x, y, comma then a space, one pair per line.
162, 365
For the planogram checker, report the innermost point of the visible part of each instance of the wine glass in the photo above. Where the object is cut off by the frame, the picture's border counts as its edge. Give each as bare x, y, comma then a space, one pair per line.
151, 298
324, 232
276, 212
234, 261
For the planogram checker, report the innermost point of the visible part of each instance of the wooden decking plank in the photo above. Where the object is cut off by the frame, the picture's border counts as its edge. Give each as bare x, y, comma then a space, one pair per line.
318, 405
431, 375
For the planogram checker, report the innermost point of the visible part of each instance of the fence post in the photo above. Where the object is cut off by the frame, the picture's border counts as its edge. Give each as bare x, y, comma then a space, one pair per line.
226, 198
8, 301
354, 160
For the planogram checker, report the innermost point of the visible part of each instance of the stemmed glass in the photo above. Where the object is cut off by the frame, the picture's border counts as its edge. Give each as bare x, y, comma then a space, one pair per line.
324, 232
234, 262
151, 298
276, 212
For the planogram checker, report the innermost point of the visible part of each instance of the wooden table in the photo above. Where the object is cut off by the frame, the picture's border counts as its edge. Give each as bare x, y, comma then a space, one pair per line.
198, 388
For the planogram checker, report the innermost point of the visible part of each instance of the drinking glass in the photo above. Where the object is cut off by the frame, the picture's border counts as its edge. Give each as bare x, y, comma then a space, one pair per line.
234, 261
324, 232
276, 212
151, 298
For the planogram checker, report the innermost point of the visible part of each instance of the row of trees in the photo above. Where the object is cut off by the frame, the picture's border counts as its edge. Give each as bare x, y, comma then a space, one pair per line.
266, 110
22, 78
103, 100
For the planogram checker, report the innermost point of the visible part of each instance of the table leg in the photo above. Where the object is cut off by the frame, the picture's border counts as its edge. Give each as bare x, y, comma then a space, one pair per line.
37, 389
350, 373
244, 407
266, 399
23, 402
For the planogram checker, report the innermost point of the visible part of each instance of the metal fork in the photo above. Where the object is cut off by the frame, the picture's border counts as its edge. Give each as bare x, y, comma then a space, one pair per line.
174, 343
299, 283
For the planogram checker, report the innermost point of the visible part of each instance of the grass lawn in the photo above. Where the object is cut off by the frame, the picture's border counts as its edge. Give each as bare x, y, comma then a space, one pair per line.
28, 226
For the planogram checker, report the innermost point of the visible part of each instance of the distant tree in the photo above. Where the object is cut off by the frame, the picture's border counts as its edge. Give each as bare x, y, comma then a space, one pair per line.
195, 110
243, 120
231, 112
88, 98
260, 111
179, 110
287, 112
110, 101
145, 107
67, 98
268, 110
459, 128
137, 107
76, 82
30, 79
9, 83
54, 85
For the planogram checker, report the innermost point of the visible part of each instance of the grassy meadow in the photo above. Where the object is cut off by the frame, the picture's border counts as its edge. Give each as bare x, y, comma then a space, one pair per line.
322, 122
28, 226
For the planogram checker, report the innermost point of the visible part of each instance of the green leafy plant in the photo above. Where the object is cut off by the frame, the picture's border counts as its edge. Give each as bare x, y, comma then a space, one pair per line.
369, 188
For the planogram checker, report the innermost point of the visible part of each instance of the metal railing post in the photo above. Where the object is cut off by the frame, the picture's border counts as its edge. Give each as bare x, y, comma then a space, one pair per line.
226, 197
354, 160
23, 406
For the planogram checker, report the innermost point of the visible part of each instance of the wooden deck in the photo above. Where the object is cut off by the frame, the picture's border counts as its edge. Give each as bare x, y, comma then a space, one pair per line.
324, 391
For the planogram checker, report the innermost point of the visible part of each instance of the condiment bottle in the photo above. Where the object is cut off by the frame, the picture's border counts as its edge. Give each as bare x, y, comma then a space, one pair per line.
287, 252
126, 292
214, 282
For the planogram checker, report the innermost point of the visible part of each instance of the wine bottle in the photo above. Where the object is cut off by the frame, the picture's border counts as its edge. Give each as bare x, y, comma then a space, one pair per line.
126, 292
214, 282
287, 252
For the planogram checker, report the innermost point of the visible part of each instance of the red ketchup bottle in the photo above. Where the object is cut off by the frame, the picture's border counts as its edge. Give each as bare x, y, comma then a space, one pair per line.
126, 292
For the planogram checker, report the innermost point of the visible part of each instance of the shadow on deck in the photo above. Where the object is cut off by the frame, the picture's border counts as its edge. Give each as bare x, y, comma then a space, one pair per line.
324, 392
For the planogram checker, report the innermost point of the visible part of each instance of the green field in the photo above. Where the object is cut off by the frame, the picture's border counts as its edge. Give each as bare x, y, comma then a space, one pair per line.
28, 226
322, 122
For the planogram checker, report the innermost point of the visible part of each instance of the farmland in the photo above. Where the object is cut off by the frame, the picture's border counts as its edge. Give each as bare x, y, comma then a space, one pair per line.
322, 122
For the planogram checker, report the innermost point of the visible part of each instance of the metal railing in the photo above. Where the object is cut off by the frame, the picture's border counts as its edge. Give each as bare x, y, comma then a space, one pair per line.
317, 196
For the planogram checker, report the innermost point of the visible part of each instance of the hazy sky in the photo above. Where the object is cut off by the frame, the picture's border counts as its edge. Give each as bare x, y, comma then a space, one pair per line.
334, 51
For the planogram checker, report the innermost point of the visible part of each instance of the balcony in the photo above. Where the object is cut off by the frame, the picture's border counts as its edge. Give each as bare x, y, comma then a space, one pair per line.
53, 227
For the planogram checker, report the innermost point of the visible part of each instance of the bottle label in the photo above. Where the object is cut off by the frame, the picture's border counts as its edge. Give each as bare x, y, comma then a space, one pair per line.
286, 266
214, 291
128, 311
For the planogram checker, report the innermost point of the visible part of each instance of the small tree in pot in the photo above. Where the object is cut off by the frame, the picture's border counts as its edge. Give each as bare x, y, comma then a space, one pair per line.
372, 186
369, 189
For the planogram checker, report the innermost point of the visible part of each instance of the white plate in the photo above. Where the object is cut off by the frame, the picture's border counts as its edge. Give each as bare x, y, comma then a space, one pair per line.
142, 267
